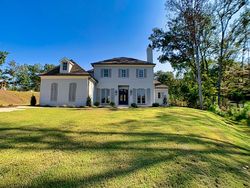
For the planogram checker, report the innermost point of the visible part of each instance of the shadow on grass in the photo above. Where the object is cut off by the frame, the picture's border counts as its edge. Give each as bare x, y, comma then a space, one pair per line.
149, 149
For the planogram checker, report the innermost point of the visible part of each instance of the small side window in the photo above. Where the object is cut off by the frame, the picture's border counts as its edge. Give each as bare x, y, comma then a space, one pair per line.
159, 95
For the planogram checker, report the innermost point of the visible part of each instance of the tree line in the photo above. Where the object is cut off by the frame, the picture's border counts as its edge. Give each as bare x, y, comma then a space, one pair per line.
21, 77
207, 43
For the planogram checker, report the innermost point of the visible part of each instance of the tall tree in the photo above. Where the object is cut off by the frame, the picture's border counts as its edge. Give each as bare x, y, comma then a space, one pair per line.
3, 56
10, 73
225, 10
184, 36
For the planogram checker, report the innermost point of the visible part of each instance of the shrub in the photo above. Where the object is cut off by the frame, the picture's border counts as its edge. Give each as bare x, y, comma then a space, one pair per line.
134, 105
156, 104
112, 104
88, 102
165, 101
97, 103
33, 101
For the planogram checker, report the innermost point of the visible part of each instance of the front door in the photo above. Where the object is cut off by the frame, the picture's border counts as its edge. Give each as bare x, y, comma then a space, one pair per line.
123, 96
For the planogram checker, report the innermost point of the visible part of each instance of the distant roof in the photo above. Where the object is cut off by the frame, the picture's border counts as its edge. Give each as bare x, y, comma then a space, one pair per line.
159, 85
76, 70
122, 61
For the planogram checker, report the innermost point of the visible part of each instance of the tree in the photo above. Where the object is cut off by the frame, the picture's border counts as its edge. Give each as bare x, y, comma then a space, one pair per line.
34, 71
47, 67
3, 56
225, 10
23, 79
10, 74
236, 83
242, 34
181, 45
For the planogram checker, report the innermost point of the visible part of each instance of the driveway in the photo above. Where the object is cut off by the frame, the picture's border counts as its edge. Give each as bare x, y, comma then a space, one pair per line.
16, 108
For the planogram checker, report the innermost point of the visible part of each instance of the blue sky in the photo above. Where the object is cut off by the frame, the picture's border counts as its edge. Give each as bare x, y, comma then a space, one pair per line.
44, 31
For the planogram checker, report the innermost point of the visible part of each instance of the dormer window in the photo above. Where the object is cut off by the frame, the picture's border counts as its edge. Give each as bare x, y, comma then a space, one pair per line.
65, 66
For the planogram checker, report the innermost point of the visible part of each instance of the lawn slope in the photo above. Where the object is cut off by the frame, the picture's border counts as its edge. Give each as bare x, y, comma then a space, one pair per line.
16, 97
145, 147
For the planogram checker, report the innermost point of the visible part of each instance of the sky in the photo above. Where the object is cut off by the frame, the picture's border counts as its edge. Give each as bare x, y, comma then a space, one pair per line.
45, 31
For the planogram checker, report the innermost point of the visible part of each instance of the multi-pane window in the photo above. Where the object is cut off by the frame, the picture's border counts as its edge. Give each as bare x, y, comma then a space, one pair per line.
53, 92
141, 73
141, 96
105, 96
72, 92
123, 73
106, 73
65, 66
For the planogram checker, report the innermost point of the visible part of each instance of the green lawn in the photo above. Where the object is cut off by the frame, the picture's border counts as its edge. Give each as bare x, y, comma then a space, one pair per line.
144, 147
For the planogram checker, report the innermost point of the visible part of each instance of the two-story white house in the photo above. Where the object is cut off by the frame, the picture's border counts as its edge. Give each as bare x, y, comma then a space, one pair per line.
120, 80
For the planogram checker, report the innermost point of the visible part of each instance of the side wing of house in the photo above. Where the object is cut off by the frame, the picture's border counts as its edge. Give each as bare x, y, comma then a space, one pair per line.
66, 85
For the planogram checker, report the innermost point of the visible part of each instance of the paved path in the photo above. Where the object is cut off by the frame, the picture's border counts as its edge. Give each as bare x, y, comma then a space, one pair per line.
10, 109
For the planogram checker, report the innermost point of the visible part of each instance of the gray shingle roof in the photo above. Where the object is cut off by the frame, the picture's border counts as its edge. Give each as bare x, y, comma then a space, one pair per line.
76, 70
159, 85
122, 61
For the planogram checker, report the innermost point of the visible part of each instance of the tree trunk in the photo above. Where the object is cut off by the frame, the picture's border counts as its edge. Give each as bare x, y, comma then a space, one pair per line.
220, 61
197, 62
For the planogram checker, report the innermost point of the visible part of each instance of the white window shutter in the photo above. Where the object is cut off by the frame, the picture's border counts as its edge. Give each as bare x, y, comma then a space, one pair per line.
145, 73
98, 95
134, 95
120, 73
102, 72
110, 72
112, 95
148, 96
54, 92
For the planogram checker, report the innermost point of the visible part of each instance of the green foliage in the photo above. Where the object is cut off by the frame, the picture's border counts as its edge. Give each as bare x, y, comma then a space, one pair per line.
134, 105
3, 56
233, 112
155, 104
88, 101
33, 100
112, 104
165, 101
97, 103
24, 77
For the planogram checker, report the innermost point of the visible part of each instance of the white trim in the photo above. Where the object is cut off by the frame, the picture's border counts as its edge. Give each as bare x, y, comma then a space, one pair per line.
123, 65
64, 77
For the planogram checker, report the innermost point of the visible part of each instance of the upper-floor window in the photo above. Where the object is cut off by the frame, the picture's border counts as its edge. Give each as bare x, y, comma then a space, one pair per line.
123, 73
141, 73
65, 66
106, 73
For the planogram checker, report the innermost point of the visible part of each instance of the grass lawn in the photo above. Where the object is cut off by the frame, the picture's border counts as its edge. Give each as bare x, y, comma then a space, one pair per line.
145, 147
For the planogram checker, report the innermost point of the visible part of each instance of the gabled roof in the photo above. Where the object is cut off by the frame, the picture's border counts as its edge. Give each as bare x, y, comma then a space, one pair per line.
76, 70
122, 61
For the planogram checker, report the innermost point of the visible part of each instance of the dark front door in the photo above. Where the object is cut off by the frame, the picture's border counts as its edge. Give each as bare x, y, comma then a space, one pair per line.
123, 96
